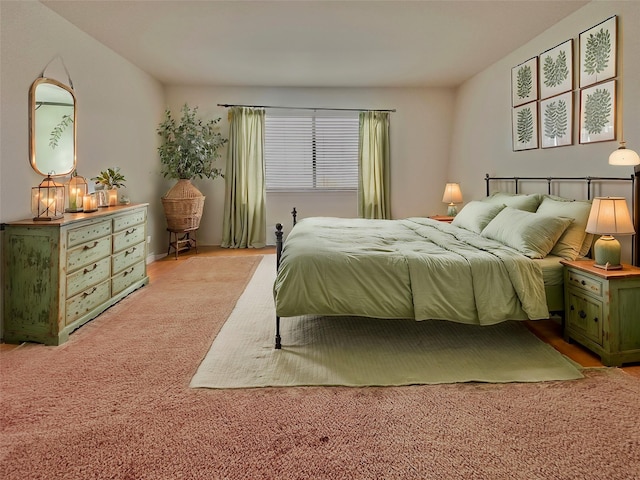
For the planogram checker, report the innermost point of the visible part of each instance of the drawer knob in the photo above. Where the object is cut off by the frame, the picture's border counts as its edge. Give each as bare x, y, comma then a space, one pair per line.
86, 294
595, 319
583, 282
572, 308
582, 314
87, 270
87, 247
128, 272
129, 232
129, 252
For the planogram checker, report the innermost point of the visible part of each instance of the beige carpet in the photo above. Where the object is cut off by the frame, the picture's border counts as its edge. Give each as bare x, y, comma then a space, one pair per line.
353, 351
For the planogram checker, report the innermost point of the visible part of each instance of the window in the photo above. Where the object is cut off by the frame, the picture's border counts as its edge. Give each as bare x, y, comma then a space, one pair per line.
311, 150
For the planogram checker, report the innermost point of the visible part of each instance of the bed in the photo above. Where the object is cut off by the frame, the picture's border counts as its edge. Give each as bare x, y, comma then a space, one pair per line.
498, 260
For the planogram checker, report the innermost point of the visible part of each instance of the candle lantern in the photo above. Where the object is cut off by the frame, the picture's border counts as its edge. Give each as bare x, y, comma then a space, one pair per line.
75, 190
90, 203
47, 200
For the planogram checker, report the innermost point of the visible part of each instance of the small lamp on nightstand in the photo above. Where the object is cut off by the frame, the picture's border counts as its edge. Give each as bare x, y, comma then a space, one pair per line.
608, 216
452, 195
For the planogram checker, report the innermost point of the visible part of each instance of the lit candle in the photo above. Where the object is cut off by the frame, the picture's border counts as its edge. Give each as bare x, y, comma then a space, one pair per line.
86, 202
73, 199
113, 197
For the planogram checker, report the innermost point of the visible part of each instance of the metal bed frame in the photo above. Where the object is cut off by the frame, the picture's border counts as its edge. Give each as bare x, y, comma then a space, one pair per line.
633, 179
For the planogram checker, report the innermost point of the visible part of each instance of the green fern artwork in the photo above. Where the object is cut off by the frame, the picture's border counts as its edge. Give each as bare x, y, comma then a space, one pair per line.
525, 125
597, 111
524, 81
556, 120
555, 72
598, 52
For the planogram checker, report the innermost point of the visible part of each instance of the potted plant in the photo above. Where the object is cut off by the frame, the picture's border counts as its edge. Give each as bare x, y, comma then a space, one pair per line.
189, 150
110, 180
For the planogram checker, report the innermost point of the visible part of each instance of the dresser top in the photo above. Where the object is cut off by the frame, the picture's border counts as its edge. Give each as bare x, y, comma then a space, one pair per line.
70, 218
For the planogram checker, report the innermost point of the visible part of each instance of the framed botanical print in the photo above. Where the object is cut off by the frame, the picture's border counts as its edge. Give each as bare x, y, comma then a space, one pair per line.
556, 70
598, 52
525, 126
524, 82
598, 113
556, 121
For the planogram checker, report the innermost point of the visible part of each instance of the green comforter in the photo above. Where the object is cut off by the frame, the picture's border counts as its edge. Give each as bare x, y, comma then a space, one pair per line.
413, 268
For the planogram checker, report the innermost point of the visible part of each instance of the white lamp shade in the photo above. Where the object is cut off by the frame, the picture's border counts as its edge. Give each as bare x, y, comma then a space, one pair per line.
609, 216
624, 156
452, 193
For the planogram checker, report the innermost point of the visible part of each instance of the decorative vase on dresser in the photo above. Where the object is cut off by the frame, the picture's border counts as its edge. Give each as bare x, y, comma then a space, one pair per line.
58, 275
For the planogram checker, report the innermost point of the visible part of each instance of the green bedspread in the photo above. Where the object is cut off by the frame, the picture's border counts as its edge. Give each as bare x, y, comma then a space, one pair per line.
413, 268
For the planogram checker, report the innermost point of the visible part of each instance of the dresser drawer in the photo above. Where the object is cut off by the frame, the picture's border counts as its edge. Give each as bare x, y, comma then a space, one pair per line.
123, 222
76, 236
88, 276
88, 253
584, 315
585, 283
86, 301
127, 277
128, 238
128, 257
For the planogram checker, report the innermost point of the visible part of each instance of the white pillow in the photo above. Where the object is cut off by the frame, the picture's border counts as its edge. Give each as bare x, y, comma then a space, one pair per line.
532, 234
476, 215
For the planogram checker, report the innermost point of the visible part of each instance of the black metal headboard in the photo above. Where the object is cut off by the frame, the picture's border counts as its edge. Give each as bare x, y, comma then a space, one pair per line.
635, 195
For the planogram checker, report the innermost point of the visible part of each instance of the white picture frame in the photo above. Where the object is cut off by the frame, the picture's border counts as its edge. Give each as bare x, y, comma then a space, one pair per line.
598, 52
556, 70
524, 82
556, 121
524, 122
598, 113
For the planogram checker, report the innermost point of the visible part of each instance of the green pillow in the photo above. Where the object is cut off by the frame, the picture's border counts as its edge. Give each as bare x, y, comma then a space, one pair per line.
532, 234
528, 203
476, 215
570, 243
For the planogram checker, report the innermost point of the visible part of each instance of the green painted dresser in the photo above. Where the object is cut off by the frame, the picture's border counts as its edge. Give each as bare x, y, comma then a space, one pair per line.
60, 274
602, 310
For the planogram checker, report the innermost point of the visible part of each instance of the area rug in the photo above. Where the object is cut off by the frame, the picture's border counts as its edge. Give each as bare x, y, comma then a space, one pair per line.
351, 351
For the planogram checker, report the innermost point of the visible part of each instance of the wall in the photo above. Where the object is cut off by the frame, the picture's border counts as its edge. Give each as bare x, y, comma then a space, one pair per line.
420, 135
482, 125
118, 109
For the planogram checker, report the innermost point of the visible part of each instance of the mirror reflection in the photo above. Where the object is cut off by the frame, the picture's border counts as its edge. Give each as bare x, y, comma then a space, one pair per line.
52, 127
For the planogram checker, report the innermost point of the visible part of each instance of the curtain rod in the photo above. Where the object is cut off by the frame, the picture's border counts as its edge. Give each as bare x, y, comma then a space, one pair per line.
311, 108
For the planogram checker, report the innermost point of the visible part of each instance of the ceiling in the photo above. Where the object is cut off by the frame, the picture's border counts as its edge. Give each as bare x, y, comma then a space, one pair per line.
310, 43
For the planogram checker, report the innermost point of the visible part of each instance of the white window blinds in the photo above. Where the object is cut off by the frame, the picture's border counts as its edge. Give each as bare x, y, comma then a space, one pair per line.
311, 150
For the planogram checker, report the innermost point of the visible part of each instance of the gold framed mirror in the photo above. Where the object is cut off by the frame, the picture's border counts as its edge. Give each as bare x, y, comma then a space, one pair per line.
52, 127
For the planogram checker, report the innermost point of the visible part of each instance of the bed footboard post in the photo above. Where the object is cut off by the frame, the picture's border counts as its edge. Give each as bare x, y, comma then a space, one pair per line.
278, 345
278, 244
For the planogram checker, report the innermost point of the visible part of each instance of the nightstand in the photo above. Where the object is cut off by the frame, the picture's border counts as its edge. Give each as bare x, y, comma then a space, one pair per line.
442, 218
602, 310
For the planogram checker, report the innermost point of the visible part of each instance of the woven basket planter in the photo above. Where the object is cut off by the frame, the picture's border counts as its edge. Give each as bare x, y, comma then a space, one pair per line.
183, 206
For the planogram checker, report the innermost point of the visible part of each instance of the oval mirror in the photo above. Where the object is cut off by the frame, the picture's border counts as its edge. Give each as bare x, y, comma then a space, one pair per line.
52, 127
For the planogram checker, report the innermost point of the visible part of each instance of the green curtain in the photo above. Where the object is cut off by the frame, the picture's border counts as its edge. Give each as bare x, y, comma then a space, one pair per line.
373, 160
244, 224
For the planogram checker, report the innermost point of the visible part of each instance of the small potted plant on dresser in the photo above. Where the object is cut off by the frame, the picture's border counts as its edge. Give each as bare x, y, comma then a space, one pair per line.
189, 150
109, 181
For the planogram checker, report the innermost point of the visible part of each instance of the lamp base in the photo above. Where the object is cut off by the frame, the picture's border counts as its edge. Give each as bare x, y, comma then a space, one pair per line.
607, 253
452, 210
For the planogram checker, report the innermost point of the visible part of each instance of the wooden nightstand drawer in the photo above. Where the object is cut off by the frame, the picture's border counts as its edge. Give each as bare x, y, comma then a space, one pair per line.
127, 258
585, 316
585, 283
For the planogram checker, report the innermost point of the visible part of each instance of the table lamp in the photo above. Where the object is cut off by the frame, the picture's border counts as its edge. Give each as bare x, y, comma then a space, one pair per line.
609, 216
452, 195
